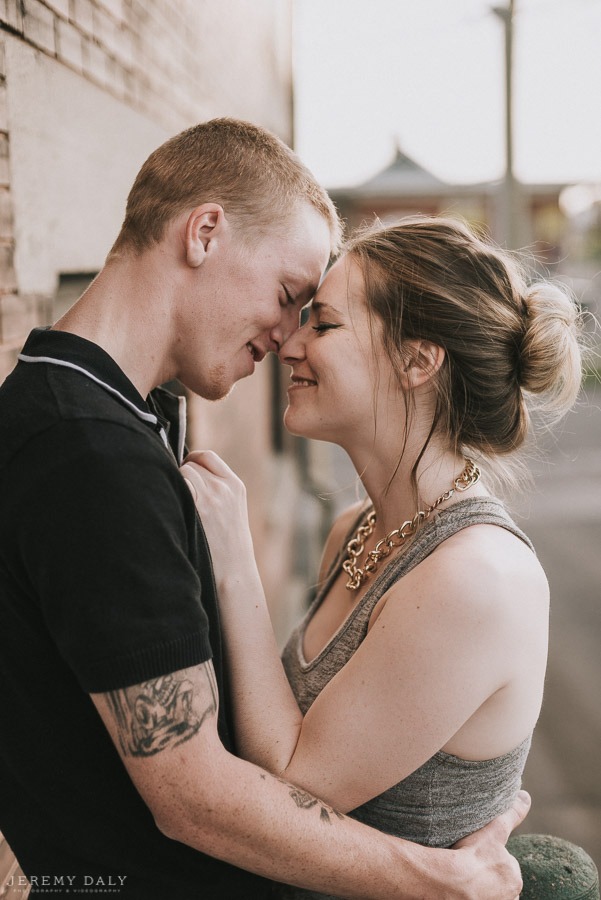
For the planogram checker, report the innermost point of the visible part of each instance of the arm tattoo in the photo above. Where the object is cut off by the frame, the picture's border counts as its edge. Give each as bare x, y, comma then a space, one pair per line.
165, 711
304, 800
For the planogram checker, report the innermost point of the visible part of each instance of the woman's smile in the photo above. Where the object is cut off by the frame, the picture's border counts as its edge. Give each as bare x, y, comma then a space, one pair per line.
299, 382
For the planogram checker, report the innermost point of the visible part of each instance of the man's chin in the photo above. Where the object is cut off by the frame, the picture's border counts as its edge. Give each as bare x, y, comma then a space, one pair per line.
223, 393
216, 392
216, 387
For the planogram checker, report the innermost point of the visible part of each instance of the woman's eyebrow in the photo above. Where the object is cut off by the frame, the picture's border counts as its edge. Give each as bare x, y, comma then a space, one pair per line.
320, 306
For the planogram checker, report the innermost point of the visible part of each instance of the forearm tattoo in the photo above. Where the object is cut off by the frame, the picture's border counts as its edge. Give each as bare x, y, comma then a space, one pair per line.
304, 800
165, 711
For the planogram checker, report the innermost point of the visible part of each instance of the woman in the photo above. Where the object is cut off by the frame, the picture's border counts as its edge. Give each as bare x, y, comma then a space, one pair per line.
415, 680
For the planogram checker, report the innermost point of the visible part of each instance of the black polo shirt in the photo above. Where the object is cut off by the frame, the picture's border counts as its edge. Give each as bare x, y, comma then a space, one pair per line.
105, 581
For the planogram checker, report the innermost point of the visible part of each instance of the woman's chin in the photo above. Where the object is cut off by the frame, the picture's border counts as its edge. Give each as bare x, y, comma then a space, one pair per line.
295, 425
292, 426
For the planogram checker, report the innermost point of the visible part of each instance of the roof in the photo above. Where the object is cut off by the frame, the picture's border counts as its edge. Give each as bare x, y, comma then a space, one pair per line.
405, 178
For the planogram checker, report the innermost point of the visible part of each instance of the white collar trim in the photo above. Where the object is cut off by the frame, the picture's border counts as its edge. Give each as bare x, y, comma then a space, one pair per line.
145, 416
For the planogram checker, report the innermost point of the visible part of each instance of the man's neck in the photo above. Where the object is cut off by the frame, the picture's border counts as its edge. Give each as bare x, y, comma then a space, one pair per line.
125, 312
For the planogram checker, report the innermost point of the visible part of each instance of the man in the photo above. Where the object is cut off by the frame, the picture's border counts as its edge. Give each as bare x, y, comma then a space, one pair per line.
116, 759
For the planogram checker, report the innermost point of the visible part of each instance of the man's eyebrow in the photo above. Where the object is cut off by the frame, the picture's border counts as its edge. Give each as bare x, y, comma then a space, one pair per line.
304, 296
303, 285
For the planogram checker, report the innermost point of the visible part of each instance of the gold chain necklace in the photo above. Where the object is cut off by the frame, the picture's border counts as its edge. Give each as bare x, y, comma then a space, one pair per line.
398, 537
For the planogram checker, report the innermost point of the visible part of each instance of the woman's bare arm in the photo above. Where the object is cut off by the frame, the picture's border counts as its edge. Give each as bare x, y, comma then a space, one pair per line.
439, 649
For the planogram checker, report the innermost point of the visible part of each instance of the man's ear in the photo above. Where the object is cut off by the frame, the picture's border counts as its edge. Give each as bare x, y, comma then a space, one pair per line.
423, 359
205, 226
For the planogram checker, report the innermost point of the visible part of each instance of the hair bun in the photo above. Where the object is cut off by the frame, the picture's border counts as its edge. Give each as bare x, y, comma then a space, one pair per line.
550, 359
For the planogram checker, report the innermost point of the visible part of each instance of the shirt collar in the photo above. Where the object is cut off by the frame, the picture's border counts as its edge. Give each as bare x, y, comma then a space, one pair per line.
65, 349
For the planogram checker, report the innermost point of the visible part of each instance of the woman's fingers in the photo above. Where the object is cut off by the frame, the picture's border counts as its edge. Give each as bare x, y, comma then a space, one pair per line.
213, 484
209, 460
192, 489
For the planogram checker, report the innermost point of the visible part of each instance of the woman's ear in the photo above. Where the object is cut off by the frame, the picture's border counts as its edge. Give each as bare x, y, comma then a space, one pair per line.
422, 360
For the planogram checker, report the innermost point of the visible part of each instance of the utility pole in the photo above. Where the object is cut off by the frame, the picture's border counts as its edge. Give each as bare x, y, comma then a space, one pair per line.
511, 207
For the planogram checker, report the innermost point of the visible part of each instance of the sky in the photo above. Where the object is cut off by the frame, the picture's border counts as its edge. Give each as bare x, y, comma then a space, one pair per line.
430, 75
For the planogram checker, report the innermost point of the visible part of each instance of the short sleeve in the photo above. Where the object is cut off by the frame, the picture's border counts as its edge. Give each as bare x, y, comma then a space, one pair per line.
104, 537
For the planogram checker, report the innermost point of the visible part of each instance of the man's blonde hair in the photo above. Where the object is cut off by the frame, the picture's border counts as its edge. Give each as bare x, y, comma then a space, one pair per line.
248, 171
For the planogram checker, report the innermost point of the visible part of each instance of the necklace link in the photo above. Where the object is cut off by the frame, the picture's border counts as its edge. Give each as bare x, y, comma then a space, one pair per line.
396, 538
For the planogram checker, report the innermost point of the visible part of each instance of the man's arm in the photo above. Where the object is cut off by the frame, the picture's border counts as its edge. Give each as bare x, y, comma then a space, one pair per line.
165, 731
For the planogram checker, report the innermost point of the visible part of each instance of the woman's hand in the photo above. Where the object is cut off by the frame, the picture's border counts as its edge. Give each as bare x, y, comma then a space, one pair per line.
266, 713
220, 498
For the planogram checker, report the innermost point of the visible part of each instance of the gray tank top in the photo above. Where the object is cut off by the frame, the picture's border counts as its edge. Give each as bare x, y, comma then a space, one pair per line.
447, 797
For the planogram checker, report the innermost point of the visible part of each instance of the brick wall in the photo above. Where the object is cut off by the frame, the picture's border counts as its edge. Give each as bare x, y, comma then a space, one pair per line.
168, 63
87, 89
9, 341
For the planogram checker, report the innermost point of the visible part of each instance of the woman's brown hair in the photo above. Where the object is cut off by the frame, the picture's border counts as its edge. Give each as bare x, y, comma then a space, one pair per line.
504, 339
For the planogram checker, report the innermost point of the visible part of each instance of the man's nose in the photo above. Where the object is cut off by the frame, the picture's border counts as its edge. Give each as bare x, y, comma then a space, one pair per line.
293, 348
287, 325
276, 338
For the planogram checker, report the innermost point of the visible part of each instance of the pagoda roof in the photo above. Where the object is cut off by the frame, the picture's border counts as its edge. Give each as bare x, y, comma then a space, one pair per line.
404, 177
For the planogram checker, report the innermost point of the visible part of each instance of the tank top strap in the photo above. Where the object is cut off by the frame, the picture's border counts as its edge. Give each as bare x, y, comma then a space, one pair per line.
447, 522
469, 511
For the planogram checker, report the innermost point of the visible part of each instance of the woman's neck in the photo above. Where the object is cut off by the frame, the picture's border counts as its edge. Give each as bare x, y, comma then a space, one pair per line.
391, 489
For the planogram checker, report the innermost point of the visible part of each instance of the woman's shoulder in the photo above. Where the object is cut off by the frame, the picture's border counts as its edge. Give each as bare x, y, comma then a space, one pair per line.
338, 533
484, 567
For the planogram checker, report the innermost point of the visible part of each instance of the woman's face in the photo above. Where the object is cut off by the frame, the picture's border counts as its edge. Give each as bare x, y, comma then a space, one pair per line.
341, 377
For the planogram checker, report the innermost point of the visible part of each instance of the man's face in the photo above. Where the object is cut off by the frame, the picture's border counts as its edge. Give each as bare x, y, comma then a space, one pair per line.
248, 302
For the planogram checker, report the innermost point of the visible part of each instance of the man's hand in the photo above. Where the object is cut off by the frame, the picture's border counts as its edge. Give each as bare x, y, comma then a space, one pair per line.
492, 873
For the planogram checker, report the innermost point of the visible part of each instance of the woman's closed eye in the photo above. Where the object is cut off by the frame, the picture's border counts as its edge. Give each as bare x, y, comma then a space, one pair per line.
324, 326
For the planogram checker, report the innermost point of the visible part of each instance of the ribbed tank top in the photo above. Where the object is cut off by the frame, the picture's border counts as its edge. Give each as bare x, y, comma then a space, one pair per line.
447, 797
